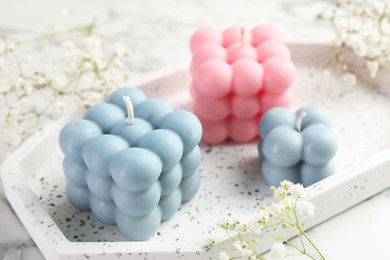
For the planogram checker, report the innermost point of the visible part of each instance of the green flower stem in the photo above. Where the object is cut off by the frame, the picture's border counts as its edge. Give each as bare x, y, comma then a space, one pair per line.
312, 244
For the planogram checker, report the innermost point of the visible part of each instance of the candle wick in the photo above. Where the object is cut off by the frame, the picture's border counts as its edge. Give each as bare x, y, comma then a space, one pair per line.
298, 123
243, 37
130, 109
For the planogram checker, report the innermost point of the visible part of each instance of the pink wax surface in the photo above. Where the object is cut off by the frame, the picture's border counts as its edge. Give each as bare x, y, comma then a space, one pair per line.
237, 76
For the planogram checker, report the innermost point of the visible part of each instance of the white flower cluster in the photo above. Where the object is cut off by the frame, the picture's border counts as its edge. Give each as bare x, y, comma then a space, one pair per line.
290, 211
361, 27
87, 67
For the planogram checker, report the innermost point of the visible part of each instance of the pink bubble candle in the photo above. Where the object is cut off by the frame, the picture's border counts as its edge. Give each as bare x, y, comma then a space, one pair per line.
237, 76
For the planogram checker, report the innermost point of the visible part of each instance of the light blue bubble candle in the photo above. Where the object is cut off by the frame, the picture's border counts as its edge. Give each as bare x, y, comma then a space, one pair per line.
132, 161
298, 147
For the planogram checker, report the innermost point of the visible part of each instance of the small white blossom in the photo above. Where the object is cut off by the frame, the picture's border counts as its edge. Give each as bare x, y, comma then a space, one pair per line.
278, 251
349, 79
223, 256
357, 44
243, 247
305, 208
275, 209
120, 49
60, 82
373, 67
297, 191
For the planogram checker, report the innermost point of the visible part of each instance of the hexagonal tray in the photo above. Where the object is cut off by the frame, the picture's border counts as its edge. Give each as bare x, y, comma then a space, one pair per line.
231, 180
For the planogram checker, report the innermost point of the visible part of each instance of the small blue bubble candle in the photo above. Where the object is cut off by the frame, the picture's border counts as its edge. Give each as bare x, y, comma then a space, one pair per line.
298, 147
132, 161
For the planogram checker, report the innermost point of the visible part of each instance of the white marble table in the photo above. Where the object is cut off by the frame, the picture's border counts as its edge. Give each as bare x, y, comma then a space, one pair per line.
158, 33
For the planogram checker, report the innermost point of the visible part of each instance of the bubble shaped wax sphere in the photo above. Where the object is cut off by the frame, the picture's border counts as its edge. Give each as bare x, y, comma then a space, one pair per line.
205, 35
277, 116
135, 169
138, 228
236, 34
243, 129
214, 78
105, 115
189, 187
132, 133
205, 52
136, 204
78, 196
186, 125
103, 210
98, 152
320, 144
153, 110
270, 48
238, 80
75, 134
283, 146
279, 74
247, 77
265, 32
75, 171
273, 174
314, 115
166, 144
170, 180
136, 97
190, 161
99, 186
311, 174
170, 204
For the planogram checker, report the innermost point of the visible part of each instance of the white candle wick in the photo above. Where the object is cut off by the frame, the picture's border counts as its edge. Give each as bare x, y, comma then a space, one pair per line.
130, 109
298, 123
243, 36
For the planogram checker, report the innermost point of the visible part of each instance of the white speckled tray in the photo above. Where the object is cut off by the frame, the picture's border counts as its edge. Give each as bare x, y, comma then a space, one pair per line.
231, 180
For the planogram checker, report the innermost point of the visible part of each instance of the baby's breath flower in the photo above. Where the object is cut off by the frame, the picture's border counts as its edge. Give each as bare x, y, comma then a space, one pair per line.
305, 208
120, 49
297, 191
373, 67
224, 223
275, 209
243, 248
357, 44
223, 256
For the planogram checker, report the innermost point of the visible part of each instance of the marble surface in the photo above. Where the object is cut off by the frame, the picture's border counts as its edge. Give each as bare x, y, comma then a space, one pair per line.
158, 33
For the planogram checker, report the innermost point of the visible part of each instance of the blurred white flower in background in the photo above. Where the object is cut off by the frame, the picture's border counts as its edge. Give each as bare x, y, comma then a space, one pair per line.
361, 27
89, 66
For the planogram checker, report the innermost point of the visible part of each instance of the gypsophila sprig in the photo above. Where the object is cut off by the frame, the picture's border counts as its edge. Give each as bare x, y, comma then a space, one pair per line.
84, 68
290, 211
361, 27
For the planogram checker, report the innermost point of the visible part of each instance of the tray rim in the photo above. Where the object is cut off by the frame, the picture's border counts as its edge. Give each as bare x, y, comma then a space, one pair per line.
374, 166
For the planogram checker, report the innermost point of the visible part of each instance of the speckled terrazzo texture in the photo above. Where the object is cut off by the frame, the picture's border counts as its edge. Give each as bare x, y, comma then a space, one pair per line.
231, 182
